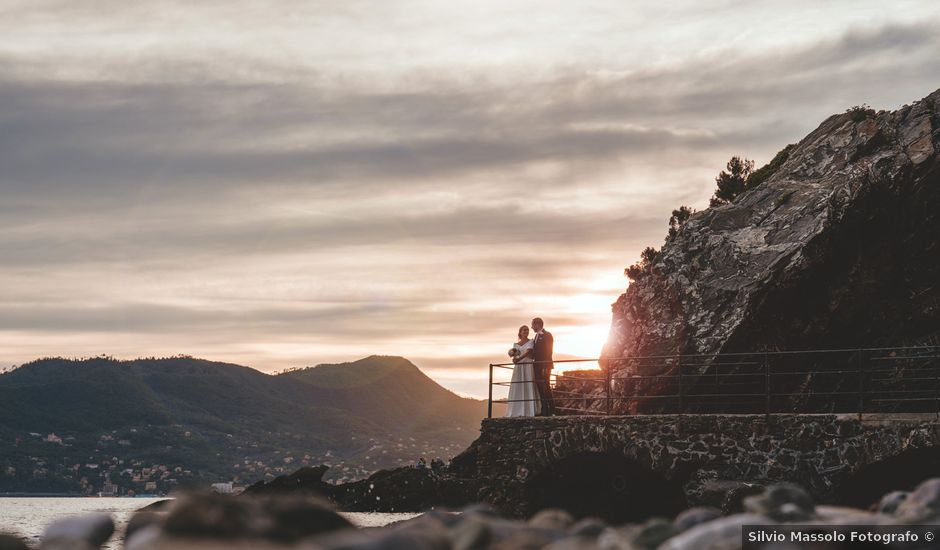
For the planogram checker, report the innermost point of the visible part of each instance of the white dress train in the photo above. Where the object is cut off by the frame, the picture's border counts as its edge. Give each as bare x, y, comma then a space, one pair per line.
523, 397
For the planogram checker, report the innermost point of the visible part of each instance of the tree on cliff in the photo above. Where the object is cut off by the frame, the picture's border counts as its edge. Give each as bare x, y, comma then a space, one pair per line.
647, 258
679, 217
732, 182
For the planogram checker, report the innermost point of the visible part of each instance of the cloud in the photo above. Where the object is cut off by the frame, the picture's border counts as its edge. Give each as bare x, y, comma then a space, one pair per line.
209, 135
261, 207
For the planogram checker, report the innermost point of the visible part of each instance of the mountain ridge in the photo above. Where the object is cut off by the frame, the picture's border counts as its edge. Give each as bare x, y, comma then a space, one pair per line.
347, 413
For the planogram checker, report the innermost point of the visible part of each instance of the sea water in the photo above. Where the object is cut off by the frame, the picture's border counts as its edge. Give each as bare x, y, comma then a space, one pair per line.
27, 517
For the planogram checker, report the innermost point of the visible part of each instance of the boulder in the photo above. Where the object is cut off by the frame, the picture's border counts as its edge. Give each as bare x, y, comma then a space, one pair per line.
558, 520
720, 534
209, 516
782, 502
694, 516
90, 531
889, 503
588, 527
922, 504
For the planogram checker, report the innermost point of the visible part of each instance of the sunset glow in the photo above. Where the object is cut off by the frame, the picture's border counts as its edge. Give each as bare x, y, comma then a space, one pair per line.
282, 188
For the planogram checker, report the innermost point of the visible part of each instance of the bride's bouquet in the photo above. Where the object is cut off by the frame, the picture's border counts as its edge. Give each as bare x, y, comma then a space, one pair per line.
513, 352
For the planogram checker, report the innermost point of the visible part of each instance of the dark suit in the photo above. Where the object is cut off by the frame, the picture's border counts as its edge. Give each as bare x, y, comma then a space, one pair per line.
542, 355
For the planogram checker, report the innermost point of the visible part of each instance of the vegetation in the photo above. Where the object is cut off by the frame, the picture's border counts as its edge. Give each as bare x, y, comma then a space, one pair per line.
763, 173
208, 417
677, 220
739, 176
645, 266
732, 182
861, 112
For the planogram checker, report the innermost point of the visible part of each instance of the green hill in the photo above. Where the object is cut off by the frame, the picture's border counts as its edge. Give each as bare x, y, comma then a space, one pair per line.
394, 393
219, 420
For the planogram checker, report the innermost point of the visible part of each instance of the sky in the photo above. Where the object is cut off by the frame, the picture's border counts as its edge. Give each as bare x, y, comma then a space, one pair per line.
286, 184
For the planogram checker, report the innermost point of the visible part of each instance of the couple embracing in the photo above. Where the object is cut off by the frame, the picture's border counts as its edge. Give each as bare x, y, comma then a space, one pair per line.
530, 393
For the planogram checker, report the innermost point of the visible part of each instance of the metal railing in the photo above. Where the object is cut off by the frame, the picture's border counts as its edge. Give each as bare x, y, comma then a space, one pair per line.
861, 380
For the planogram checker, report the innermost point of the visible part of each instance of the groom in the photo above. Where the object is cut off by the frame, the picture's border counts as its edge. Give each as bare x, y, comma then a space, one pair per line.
542, 355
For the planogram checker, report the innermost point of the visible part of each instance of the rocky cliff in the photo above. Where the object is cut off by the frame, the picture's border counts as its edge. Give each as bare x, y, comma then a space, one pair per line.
837, 248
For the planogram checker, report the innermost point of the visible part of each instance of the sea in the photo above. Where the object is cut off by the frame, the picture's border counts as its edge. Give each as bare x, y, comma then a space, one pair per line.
27, 517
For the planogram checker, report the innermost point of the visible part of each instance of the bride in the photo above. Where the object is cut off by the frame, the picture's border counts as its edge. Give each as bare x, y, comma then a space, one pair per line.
523, 397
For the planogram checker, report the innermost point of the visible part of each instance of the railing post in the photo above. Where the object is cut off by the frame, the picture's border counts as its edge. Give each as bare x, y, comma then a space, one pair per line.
489, 401
861, 385
679, 368
636, 392
607, 387
936, 389
767, 385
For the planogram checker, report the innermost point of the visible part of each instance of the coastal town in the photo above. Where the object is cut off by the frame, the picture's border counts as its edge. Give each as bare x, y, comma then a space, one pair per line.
132, 463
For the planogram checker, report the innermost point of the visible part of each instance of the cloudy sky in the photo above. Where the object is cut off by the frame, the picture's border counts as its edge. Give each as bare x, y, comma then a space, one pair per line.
289, 183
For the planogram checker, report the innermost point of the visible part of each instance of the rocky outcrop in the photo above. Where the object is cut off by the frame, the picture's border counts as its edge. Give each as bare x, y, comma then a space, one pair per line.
397, 490
838, 248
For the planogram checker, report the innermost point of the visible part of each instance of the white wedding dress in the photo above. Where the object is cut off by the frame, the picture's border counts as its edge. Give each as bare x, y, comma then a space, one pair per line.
523, 397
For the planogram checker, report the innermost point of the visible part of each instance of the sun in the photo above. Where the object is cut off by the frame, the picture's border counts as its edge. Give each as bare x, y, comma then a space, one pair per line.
583, 341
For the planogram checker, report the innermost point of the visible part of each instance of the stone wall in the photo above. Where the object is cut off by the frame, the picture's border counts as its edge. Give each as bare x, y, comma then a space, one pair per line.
707, 456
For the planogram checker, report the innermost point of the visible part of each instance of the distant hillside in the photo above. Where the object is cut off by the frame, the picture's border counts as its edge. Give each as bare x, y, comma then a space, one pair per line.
220, 420
395, 394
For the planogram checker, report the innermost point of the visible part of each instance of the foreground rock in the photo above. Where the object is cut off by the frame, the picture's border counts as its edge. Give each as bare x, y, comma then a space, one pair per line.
205, 517
89, 531
209, 521
10, 542
837, 249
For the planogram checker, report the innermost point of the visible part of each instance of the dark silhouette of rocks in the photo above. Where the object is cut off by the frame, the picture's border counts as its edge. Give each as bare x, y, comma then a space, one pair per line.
9, 542
398, 490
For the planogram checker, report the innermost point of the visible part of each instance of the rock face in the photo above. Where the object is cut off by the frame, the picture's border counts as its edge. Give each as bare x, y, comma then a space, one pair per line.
839, 248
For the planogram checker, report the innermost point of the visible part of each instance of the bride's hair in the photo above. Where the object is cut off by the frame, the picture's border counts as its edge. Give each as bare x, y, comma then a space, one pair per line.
525, 329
